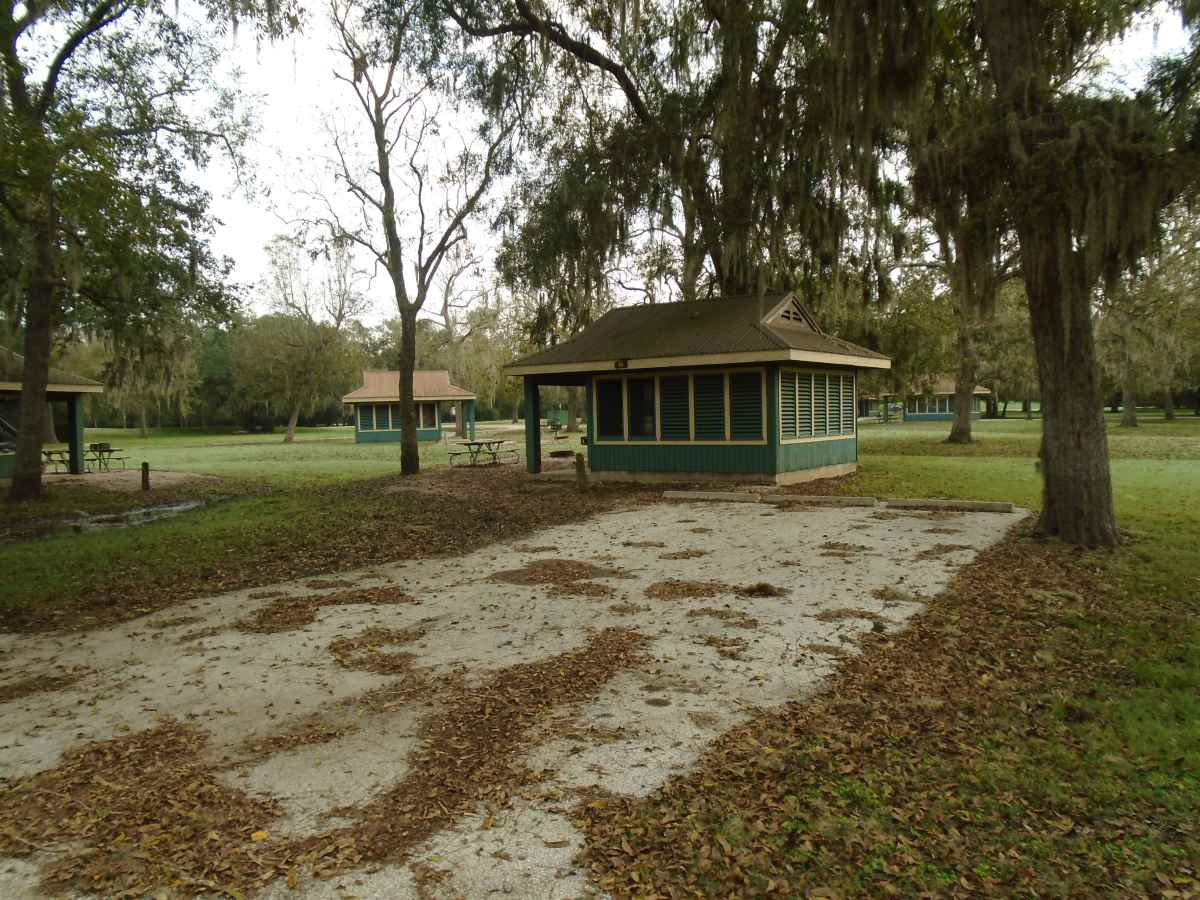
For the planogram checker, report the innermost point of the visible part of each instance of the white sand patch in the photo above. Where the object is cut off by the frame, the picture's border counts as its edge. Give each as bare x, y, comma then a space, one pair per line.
645, 724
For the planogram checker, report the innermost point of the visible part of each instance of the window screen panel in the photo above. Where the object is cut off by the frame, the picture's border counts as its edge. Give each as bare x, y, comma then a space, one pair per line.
366, 418
382, 421
710, 407
787, 404
849, 410
745, 406
820, 411
804, 415
394, 412
673, 408
610, 410
834, 386
641, 409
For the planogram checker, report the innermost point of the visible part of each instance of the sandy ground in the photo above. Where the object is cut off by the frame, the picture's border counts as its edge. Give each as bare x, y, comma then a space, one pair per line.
645, 725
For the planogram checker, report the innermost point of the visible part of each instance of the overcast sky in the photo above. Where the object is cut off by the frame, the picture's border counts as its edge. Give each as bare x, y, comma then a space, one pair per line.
297, 93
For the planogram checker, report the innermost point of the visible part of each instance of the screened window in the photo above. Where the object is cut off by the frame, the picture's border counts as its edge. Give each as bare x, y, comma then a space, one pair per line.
382, 421
610, 409
849, 413
709, 399
804, 405
366, 418
427, 415
815, 404
745, 406
674, 408
641, 409
787, 404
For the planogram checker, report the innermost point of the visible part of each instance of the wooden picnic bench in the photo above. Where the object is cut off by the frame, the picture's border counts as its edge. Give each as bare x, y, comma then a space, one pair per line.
483, 451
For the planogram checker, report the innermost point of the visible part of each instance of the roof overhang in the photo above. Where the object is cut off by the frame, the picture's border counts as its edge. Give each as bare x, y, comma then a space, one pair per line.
57, 388
711, 359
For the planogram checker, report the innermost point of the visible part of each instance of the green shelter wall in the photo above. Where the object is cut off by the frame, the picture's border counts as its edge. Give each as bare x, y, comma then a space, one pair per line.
769, 457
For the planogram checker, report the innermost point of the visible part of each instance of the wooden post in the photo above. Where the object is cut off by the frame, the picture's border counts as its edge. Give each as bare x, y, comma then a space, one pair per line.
74, 433
145, 476
581, 472
533, 427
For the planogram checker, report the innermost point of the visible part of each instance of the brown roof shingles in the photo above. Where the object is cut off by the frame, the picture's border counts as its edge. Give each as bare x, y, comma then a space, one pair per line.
428, 384
699, 328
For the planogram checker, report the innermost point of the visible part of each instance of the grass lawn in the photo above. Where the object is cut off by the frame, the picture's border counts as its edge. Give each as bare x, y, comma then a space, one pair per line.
1037, 732
317, 454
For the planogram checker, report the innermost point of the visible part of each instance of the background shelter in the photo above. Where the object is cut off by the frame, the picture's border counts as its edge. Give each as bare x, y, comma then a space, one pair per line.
377, 405
749, 388
934, 401
63, 387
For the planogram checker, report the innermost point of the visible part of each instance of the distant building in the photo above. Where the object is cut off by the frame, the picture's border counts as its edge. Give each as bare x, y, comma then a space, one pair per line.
731, 389
377, 405
933, 401
62, 387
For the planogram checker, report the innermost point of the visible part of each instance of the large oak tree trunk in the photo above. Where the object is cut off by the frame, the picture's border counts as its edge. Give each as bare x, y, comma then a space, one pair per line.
49, 435
572, 410
964, 385
1169, 404
1077, 502
410, 457
1129, 417
27, 467
291, 425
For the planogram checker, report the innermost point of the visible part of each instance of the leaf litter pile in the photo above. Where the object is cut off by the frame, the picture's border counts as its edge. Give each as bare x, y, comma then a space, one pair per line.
142, 814
683, 589
561, 577
900, 778
293, 613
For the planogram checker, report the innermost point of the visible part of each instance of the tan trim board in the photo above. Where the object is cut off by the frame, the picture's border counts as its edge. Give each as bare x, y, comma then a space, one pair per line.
711, 359
819, 439
351, 401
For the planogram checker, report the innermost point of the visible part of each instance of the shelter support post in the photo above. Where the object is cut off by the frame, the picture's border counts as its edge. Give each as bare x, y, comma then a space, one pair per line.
460, 418
533, 427
470, 414
75, 432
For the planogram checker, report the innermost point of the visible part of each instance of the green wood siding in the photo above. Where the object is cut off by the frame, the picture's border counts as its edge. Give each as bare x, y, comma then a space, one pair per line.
814, 454
730, 458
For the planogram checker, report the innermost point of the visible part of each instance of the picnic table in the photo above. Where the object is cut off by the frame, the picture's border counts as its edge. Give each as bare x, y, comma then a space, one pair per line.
103, 455
475, 449
56, 458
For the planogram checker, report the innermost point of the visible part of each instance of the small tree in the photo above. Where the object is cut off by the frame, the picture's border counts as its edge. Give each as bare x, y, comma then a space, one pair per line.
424, 181
298, 358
